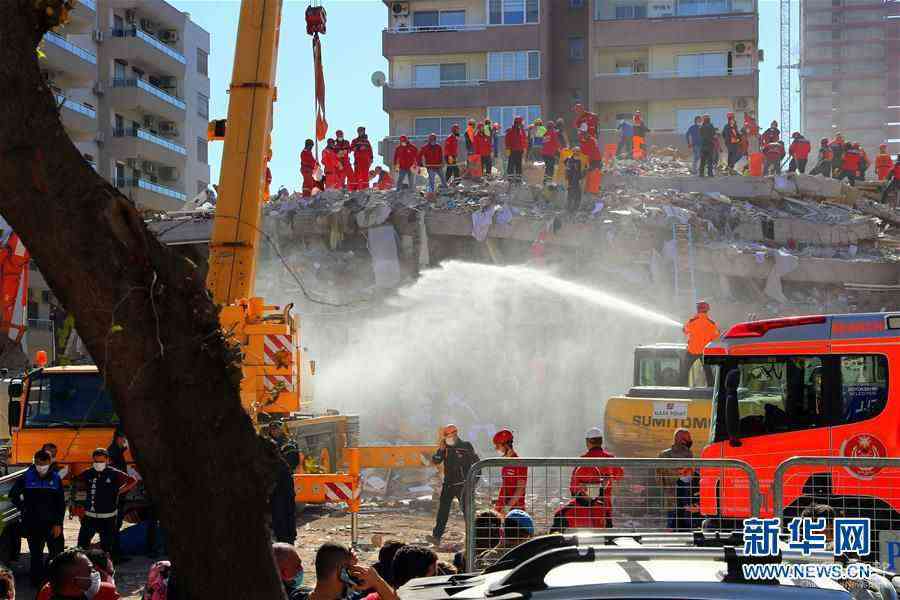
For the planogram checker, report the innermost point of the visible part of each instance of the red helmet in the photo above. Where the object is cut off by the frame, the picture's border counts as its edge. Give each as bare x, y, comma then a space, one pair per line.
338, 132
703, 306
796, 134
582, 477
451, 430
504, 436
403, 138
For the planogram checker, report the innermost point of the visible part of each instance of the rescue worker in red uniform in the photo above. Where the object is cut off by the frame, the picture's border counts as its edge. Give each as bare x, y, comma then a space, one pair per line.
308, 166
516, 141
591, 489
362, 160
823, 167
770, 135
892, 184
451, 153
585, 120
332, 165
342, 147
799, 151
405, 157
864, 160
431, 156
484, 149
750, 134
550, 151
837, 154
513, 479
774, 153
384, 181
851, 163
883, 163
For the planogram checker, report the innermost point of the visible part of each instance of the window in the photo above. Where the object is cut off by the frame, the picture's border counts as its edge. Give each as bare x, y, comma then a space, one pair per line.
203, 105
439, 125
576, 3
202, 61
659, 371
202, 149
513, 12
201, 186
514, 66
702, 65
453, 73
439, 19
631, 11
118, 23
505, 114
55, 400
576, 48
426, 76
863, 387
120, 174
703, 7
119, 70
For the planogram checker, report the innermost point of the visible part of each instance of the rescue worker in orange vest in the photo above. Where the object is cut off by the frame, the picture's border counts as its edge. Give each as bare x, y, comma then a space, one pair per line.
362, 160
799, 151
837, 154
823, 167
513, 479
892, 183
308, 165
851, 162
384, 181
332, 165
342, 147
451, 153
700, 330
640, 134
883, 163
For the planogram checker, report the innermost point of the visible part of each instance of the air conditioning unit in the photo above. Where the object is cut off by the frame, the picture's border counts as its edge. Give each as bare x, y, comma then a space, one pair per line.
400, 9
170, 36
133, 163
98, 89
168, 128
169, 174
148, 25
742, 103
743, 48
149, 122
130, 16
97, 36
148, 167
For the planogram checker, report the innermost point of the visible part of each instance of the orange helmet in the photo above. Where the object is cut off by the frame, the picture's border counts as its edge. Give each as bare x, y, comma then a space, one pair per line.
451, 429
504, 436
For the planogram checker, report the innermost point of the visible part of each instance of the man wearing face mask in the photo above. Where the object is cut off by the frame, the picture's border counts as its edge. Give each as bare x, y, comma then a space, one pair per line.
73, 577
457, 456
40, 497
290, 569
668, 480
513, 479
103, 484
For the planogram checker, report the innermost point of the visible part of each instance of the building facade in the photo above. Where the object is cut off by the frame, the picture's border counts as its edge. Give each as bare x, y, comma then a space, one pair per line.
450, 60
131, 79
850, 76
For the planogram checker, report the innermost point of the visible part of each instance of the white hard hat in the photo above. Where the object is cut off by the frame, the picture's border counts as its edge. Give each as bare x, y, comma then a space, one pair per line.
593, 432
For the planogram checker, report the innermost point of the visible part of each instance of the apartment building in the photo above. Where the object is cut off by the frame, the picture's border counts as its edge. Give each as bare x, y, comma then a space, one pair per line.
454, 59
850, 77
131, 77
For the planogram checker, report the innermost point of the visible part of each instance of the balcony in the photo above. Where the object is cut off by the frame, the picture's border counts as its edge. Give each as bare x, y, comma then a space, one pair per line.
464, 94
461, 39
674, 30
138, 94
139, 47
84, 16
79, 119
140, 143
62, 55
670, 85
148, 195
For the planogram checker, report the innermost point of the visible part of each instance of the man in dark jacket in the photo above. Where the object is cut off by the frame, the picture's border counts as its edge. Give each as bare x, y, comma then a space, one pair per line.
103, 484
39, 496
457, 457
692, 137
282, 502
707, 146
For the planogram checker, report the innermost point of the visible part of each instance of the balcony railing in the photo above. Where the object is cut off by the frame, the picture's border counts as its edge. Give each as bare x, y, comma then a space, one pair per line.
150, 89
713, 72
148, 185
711, 14
76, 106
89, 4
407, 85
152, 41
155, 139
438, 28
58, 40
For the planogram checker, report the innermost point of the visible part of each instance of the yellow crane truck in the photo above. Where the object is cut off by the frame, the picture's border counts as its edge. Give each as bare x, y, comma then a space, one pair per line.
666, 394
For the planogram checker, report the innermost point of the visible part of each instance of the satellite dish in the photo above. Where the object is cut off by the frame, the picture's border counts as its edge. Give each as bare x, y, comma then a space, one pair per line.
379, 79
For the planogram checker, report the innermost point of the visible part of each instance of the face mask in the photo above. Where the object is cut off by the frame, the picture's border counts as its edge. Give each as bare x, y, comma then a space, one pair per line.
500, 452
99, 466
593, 491
450, 441
95, 585
42, 469
402, 143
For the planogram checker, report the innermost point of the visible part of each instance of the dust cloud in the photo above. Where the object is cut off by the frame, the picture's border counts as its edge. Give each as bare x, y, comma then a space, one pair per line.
483, 347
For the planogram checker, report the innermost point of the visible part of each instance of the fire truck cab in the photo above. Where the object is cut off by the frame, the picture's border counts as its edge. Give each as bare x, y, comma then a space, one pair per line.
806, 386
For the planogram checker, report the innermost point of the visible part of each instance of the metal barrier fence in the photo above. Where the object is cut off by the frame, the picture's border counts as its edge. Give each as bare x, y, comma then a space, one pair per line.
608, 494
852, 488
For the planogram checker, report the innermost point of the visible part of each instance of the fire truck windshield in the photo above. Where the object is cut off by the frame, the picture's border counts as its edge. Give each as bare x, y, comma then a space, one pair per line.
68, 400
776, 394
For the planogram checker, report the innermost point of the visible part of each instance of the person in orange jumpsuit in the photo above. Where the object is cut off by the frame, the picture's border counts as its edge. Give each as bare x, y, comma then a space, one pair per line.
883, 163
700, 331
362, 160
342, 147
384, 181
308, 165
514, 479
332, 165
640, 130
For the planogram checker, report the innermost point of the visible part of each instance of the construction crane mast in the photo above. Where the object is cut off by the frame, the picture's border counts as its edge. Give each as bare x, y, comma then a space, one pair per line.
785, 66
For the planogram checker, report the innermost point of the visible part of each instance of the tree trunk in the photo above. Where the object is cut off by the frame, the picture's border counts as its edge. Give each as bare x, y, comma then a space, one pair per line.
146, 318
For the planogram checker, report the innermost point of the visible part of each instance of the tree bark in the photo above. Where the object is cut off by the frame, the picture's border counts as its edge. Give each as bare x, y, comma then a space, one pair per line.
145, 316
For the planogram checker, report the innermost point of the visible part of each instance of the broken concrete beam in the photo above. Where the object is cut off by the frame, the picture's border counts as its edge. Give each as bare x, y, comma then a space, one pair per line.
805, 186
783, 230
731, 186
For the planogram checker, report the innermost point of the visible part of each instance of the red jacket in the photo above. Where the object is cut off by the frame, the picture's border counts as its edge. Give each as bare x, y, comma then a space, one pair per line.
589, 118
362, 150
405, 156
451, 148
551, 143
610, 472
385, 182
851, 161
516, 139
330, 160
308, 162
800, 149
431, 155
483, 146
511, 477
580, 514
883, 165
773, 151
342, 147
590, 148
